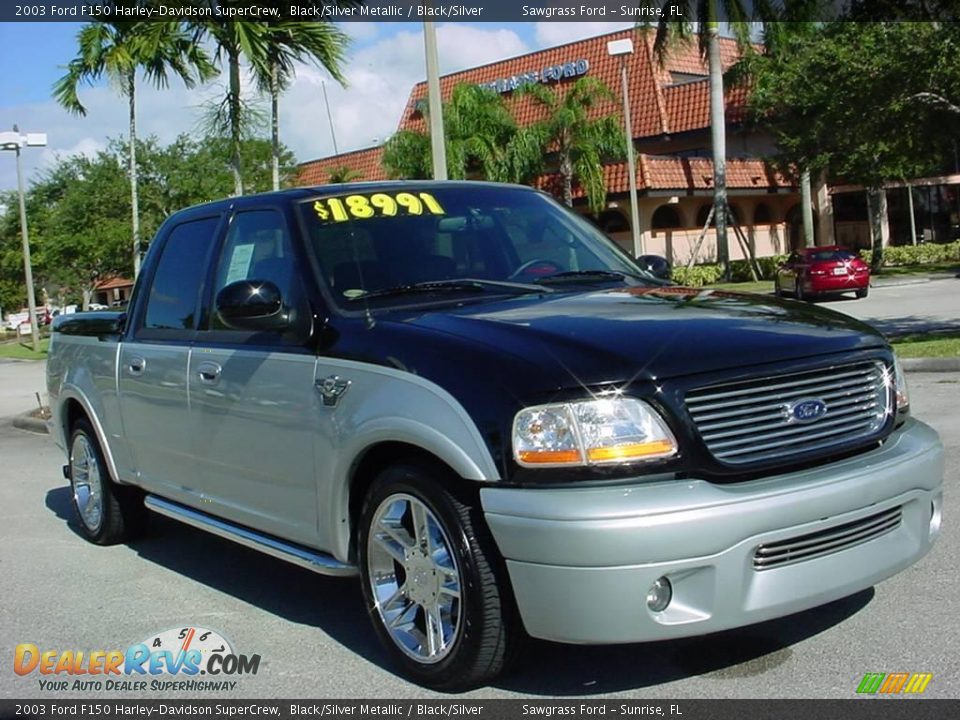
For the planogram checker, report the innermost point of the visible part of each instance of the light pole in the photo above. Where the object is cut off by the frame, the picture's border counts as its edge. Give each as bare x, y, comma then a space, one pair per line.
14, 141
437, 140
624, 49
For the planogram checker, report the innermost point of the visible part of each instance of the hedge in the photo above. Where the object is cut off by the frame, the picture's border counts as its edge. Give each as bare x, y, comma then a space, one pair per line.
923, 254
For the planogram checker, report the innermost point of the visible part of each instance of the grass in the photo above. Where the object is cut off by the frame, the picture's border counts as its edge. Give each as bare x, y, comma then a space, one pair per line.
761, 286
914, 346
21, 350
919, 269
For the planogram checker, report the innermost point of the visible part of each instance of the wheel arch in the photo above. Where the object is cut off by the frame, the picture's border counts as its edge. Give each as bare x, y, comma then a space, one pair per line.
74, 405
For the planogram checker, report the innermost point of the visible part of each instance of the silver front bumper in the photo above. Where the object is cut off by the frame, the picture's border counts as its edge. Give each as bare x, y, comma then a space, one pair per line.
581, 560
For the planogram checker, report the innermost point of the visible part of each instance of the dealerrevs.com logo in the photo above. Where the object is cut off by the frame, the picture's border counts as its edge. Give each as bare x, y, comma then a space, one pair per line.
168, 661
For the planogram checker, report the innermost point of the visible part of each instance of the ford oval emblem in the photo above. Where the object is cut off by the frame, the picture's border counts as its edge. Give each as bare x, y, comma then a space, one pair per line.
804, 411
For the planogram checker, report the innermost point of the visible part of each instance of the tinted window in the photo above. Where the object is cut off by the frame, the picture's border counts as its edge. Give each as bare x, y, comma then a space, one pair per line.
827, 255
258, 248
392, 238
172, 304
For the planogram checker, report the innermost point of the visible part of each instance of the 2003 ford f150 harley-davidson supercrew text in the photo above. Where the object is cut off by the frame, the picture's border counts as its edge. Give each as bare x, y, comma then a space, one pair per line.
470, 397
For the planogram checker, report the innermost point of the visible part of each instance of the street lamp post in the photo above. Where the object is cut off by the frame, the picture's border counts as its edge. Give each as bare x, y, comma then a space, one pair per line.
623, 49
14, 141
437, 140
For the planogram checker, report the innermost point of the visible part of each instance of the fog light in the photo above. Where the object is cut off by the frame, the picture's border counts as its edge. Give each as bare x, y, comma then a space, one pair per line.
659, 595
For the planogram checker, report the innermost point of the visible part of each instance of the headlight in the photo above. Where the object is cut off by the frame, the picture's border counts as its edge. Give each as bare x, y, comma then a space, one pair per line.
590, 432
900, 385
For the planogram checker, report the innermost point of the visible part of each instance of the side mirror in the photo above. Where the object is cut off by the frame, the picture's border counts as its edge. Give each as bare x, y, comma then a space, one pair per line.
253, 305
656, 265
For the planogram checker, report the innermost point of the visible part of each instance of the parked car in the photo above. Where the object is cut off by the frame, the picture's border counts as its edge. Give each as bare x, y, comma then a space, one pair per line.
817, 271
15, 320
476, 402
656, 265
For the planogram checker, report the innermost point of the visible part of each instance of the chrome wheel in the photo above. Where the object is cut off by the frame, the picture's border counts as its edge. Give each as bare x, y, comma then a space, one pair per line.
87, 482
414, 578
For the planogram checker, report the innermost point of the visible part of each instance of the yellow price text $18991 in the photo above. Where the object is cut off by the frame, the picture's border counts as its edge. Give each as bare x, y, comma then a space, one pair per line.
362, 207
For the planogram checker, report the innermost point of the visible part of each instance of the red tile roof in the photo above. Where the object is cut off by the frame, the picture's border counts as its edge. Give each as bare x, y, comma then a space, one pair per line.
650, 83
368, 163
111, 283
659, 172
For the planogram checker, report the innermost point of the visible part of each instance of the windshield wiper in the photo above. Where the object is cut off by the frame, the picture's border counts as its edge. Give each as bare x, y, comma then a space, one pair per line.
588, 275
454, 285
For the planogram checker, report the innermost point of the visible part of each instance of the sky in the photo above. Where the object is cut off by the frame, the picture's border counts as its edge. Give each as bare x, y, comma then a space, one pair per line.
384, 61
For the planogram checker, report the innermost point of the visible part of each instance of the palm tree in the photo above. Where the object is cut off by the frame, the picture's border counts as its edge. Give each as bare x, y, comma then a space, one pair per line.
478, 128
580, 142
292, 42
271, 49
705, 14
118, 50
342, 174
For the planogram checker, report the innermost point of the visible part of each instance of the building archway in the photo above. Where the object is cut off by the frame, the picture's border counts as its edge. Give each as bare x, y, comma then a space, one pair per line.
666, 217
794, 220
613, 221
762, 214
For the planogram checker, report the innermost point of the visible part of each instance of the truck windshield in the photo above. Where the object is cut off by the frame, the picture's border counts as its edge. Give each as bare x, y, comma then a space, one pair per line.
402, 244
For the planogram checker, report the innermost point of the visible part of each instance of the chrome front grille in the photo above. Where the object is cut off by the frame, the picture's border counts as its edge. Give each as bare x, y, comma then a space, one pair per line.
826, 542
755, 420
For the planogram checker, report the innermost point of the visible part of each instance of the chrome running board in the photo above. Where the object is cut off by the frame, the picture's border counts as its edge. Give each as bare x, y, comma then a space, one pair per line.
296, 554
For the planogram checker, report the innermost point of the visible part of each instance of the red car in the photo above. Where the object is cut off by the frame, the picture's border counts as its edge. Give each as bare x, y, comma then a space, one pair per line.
822, 270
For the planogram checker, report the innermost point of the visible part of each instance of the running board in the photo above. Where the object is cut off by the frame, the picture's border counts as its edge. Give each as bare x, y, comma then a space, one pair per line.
296, 554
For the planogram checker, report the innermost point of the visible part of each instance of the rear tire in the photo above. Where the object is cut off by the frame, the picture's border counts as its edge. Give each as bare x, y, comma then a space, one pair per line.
863, 293
432, 581
106, 512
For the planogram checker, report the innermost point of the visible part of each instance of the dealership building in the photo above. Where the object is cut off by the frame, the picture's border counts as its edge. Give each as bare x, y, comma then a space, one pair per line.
670, 117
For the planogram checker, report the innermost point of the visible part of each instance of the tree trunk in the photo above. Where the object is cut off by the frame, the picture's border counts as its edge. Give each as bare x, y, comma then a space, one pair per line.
235, 126
134, 197
87, 295
877, 212
807, 207
718, 135
275, 123
566, 172
824, 211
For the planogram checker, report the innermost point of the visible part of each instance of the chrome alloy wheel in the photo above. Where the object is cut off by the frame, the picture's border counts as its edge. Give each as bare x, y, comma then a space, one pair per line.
415, 578
87, 482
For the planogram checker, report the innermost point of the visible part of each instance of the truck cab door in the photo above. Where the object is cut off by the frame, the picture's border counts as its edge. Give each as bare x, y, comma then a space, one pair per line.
254, 413
153, 358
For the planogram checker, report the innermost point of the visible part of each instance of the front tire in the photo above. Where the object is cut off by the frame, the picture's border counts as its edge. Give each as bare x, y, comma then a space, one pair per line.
431, 580
106, 512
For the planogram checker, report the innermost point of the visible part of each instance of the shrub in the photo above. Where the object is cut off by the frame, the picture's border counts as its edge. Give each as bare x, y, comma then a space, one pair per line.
923, 254
696, 276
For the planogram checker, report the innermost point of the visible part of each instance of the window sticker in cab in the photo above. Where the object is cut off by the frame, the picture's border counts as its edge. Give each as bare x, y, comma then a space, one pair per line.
361, 207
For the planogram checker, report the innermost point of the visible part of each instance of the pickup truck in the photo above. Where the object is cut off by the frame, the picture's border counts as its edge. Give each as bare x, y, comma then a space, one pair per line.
468, 396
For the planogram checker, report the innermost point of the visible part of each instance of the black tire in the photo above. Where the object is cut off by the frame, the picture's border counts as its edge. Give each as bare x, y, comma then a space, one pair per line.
863, 293
480, 645
113, 513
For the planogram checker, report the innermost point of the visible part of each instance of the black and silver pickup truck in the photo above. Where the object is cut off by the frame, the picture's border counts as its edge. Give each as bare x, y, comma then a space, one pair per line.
469, 397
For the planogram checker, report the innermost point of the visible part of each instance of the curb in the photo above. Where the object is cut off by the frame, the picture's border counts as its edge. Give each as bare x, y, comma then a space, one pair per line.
941, 364
898, 282
25, 421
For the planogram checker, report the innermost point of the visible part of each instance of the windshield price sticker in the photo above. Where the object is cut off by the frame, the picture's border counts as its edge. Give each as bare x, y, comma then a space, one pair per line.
361, 207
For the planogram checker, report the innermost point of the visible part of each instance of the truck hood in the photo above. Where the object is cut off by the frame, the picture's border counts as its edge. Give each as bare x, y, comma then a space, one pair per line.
651, 333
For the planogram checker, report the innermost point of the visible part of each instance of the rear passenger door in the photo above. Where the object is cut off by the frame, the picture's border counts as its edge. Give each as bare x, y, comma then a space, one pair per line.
153, 359
254, 411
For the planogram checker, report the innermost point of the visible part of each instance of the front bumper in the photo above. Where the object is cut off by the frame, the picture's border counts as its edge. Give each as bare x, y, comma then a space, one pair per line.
581, 560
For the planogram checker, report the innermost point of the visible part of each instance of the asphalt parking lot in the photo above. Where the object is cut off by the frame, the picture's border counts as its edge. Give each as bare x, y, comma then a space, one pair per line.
60, 592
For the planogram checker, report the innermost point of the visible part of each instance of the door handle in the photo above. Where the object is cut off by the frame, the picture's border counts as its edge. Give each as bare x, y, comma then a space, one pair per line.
209, 373
136, 365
